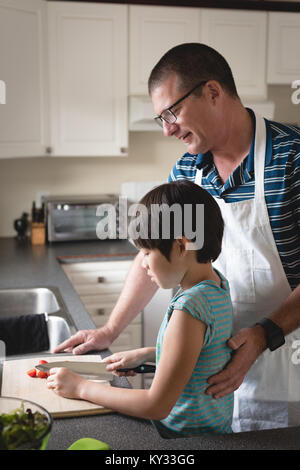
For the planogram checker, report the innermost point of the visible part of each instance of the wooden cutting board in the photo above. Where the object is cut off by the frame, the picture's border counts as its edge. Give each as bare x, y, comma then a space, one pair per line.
16, 383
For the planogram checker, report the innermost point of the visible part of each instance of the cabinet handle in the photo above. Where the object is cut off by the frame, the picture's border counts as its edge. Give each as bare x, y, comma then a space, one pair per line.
100, 311
100, 279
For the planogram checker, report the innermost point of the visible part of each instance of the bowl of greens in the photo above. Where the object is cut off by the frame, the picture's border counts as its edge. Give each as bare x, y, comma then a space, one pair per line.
23, 425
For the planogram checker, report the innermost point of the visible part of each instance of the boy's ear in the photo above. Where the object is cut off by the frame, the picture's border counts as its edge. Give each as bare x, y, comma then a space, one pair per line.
185, 245
181, 242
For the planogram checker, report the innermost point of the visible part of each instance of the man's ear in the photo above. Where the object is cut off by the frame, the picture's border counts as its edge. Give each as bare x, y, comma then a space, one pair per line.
214, 89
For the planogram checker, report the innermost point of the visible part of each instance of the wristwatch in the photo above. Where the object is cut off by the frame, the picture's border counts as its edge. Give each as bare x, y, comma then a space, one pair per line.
273, 333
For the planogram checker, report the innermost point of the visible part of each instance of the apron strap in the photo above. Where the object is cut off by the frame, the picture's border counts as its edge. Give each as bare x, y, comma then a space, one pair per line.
260, 147
260, 156
198, 178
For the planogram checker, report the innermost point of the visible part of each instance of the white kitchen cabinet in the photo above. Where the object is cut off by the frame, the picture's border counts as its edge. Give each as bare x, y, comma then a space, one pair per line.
23, 58
283, 48
98, 285
240, 36
88, 79
152, 32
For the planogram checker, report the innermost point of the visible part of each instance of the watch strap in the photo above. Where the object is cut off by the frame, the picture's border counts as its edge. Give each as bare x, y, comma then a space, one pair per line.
273, 333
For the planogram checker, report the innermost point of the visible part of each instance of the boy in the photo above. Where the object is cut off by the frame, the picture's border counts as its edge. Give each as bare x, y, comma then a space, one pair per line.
191, 343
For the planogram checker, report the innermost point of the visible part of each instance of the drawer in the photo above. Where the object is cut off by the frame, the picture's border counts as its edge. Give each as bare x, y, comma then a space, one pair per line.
98, 277
148, 378
130, 338
94, 289
136, 381
99, 300
97, 266
101, 312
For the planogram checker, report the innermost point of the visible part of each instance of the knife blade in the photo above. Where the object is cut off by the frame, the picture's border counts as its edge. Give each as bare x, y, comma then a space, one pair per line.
93, 368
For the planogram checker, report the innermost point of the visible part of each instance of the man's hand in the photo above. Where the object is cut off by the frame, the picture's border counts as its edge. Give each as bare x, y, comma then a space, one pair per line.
247, 344
86, 340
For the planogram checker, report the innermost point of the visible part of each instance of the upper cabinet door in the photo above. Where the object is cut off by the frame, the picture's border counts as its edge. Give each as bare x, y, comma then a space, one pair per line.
88, 79
23, 117
283, 48
153, 31
240, 36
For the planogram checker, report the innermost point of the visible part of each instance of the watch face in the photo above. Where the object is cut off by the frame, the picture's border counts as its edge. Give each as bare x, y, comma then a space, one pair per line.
275, 337
276, 341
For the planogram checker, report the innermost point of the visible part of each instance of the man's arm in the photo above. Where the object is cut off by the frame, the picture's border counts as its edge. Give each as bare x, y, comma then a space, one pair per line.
287, 316
137, 292
249, 343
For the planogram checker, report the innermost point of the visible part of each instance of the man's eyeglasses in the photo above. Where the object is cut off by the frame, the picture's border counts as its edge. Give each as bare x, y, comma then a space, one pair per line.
168, 115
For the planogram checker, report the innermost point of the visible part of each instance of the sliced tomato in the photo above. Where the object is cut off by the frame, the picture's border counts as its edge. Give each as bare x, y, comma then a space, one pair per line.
42, 361
42, 375
31, 373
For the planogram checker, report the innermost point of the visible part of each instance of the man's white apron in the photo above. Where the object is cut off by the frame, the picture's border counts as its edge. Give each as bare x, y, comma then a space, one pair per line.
270, 393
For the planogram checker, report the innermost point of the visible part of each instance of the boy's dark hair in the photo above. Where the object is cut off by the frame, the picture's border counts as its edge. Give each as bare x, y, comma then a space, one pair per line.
193, 63
184, 192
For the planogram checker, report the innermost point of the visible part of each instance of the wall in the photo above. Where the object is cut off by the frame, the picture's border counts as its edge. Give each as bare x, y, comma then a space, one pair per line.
151, 157
285, 110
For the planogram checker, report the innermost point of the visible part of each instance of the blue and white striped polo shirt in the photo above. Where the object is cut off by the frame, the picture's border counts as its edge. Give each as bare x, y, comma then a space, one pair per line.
195, 412
282, 188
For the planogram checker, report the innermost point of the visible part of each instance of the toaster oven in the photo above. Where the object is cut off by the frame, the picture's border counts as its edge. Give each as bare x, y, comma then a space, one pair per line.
76, 217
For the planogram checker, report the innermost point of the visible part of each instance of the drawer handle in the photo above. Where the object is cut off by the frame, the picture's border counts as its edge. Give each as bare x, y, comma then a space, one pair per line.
100, 311
100, 279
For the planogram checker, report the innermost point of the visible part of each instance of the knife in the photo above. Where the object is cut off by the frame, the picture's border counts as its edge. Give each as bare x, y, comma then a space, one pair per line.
93, 368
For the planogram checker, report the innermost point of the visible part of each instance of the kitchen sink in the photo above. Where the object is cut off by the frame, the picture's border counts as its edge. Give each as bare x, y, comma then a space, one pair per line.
40, 300
28, 301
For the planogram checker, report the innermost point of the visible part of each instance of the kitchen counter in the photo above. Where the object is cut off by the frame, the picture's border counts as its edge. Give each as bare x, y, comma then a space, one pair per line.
23, 265
122, 432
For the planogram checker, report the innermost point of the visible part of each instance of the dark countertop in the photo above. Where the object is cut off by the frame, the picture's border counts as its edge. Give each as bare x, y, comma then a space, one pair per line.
23, 265
122, 432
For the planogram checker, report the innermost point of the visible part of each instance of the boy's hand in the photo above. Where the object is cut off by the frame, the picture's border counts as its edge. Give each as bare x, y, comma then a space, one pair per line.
125, 359
64, 382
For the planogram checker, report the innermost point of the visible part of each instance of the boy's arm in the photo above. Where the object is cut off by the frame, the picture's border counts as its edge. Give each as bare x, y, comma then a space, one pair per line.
182, 344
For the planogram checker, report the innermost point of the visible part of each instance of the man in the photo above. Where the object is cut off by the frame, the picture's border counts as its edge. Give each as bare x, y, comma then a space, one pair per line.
251, 167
